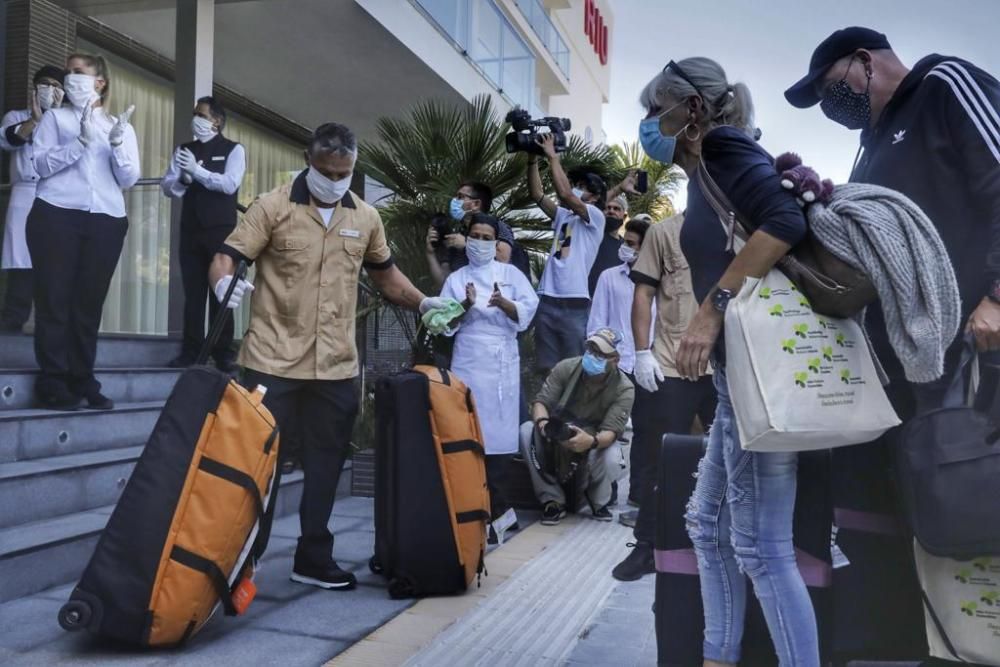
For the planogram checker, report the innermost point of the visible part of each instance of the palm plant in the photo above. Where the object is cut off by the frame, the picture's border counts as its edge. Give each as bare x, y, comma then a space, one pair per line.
424, 156
663, 181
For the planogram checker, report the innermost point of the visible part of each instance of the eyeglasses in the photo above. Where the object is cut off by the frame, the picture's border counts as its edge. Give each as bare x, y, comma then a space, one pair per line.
682, 74
463, 196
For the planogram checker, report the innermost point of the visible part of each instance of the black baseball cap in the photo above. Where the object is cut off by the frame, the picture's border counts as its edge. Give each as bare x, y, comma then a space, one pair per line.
833, 48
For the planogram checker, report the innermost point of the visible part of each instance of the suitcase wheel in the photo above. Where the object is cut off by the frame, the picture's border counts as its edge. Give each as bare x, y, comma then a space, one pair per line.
75, 615
375, 566
401, 588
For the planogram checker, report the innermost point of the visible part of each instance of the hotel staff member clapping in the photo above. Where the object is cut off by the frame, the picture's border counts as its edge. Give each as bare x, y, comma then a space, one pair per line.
85, 158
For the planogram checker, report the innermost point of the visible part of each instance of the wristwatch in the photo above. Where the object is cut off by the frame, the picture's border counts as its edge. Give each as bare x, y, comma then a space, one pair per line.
721, 298
594, 446
994, 293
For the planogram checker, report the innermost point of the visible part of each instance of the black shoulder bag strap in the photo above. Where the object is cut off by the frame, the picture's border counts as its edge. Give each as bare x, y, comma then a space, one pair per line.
729, 217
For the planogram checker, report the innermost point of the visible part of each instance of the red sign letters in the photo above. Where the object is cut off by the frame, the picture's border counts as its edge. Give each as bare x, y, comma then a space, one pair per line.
593, 26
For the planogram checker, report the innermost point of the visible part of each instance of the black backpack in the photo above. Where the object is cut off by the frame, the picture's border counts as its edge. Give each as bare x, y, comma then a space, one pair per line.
948, 467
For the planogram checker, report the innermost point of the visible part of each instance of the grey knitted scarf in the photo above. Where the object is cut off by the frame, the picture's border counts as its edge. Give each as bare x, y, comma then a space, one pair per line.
884, 234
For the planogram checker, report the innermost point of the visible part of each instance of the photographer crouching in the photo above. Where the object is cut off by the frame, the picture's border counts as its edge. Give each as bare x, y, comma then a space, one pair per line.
577, 416
446, 234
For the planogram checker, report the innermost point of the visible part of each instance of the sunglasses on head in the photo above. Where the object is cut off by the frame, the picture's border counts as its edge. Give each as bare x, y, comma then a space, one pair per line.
681, 73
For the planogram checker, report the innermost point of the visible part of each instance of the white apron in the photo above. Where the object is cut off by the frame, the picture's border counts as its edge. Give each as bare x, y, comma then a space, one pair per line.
15, 244
489, 363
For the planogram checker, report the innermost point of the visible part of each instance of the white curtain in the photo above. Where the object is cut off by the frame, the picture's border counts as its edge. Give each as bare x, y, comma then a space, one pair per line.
137, 300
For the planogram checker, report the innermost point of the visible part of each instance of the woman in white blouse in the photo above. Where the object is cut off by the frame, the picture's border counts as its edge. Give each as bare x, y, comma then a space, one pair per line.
84, 158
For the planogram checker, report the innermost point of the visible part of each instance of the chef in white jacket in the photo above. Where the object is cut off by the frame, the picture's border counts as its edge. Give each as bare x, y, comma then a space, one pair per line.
17, 131
500, 303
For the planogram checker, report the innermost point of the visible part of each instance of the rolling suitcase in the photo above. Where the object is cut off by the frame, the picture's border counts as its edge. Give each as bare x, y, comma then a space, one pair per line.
431, 499
678, 607
193, 519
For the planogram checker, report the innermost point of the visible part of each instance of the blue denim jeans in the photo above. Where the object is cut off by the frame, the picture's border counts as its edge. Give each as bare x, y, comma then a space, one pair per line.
560, 330
740, 521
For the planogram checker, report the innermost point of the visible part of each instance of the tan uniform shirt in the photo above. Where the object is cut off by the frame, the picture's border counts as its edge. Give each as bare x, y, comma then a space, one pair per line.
662, 265
302, 320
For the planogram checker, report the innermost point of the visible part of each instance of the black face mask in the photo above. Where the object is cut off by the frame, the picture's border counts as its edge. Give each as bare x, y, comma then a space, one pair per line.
846, 107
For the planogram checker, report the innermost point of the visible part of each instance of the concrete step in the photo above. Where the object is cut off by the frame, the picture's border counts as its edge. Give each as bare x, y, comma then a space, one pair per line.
53, 552
39, 489
122, 385
34, 434
17, 351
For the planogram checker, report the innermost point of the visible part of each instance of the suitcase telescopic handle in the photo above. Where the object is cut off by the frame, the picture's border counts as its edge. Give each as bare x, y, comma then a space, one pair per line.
220, 318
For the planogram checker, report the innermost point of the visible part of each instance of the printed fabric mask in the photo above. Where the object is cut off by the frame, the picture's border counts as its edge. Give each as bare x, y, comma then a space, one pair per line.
80, 89
456, 209
845, 107
202, 129
324, 189
592, 365
480, 252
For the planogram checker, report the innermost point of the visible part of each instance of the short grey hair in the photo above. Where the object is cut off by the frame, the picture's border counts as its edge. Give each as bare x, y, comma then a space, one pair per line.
725, 103
621, 201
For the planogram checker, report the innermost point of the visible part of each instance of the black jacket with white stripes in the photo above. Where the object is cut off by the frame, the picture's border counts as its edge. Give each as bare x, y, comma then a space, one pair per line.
938, 142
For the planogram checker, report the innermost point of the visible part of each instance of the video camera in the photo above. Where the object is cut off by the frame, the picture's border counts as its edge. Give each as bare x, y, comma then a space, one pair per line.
557, 430
525, 130
444, 225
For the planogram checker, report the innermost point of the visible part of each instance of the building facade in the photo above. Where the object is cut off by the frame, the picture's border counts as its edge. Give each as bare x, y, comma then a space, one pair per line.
282, 67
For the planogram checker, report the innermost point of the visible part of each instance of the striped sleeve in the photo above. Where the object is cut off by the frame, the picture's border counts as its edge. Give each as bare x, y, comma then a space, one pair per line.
972, 119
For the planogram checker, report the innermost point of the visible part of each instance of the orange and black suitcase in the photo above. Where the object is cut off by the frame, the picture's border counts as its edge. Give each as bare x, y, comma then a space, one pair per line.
431, 500
192, 521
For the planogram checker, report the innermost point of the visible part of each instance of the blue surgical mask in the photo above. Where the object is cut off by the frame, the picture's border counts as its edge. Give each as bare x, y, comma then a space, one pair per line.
593, 365
578, 193
456, 209
657, 146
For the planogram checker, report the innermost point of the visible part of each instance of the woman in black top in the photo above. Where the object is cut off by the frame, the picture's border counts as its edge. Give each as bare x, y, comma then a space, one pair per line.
740, 516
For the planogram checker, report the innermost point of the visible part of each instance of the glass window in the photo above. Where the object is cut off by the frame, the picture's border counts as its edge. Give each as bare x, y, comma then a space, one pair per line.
518, 80
451, 15
486, 39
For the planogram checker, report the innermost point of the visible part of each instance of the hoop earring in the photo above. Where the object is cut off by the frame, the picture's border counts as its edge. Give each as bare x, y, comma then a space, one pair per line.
687, 136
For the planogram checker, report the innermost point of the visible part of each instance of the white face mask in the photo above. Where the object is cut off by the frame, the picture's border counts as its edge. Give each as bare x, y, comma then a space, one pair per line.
325, 190
578, 193
626, 254
480, 252
80, 89
46, 96
203, 129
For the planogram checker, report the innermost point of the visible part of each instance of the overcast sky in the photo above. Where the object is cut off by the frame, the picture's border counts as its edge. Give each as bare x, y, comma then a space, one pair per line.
767, 45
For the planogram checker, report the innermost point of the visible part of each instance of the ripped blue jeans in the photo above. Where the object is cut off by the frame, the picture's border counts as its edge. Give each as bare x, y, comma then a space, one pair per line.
740, 521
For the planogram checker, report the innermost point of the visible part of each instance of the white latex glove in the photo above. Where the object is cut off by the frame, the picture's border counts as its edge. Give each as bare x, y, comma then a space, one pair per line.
186, 161
432, 302
242, 287
117, 133
647, 370
88, 131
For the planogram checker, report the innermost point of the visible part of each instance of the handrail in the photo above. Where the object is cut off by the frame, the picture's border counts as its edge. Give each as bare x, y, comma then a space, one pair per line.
5, 187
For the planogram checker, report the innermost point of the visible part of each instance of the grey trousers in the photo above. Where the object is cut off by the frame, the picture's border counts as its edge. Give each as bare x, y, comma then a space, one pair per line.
593, 485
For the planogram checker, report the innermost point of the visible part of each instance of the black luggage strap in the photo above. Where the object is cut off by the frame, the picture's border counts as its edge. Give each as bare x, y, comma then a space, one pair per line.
237, 477
462, 446
445, 379
219, 323
473, 515
209, 569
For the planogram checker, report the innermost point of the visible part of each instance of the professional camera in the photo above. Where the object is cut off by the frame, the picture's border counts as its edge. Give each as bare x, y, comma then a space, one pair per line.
558, 430
444, 225
525, 131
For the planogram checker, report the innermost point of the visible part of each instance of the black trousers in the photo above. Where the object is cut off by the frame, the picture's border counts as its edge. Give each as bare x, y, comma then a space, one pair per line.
197, 248
497, 469
323, 413
671, 409
74, 254
17, 300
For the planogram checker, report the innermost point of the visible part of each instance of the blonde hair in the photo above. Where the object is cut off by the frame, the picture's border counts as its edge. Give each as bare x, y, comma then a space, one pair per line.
724, 103
101, 70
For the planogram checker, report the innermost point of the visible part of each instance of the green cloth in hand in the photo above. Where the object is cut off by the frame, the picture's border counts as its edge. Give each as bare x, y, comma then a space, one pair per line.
438, 319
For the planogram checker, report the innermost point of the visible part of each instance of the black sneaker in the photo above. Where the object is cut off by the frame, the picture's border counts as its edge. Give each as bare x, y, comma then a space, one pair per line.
182, 361
603, 514
553, 513
637, 564
329, 577
62, 400
98, 401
